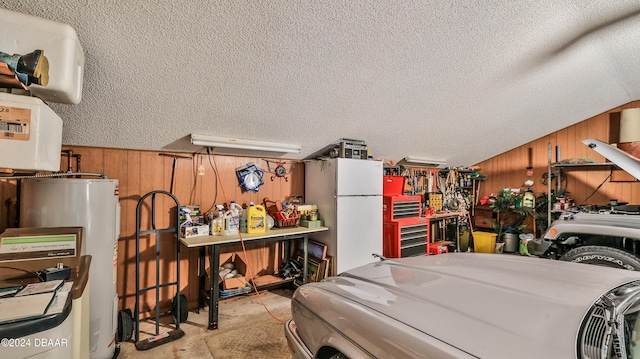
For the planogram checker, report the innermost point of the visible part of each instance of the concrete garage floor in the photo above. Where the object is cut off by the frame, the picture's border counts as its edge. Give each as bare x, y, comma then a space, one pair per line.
245, 330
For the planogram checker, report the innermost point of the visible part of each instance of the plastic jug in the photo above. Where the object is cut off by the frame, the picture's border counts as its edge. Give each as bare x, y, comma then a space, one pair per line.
243, 218
235, 211
256, 219
529, 199
227, 227
216, 224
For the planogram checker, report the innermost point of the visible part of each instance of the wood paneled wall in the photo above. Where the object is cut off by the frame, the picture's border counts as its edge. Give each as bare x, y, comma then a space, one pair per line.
509, 169
140, 172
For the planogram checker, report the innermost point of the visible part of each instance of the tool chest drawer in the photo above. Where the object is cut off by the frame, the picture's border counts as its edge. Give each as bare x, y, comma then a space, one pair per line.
401, 207
405, 237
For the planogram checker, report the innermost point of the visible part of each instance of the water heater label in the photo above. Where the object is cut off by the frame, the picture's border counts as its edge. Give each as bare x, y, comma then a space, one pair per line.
15, 123
37, 247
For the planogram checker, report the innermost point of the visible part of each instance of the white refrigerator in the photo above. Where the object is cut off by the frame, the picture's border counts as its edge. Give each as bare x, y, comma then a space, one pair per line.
93, 204
348, 193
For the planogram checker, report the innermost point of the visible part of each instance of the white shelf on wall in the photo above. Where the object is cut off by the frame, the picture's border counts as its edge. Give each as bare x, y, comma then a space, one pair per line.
554, 170
592, 166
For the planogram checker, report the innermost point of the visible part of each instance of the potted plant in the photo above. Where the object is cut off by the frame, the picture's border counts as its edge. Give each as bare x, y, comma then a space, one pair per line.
510, 217
542, 207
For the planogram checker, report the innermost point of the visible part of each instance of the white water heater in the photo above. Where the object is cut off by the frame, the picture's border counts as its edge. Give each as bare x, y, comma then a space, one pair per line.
94, 205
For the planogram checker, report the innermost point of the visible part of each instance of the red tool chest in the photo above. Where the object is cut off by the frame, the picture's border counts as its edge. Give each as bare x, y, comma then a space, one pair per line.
405, 231
401, 207
405, 237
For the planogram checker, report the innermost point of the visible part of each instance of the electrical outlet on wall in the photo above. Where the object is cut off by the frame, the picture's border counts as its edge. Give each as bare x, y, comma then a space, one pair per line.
201, 170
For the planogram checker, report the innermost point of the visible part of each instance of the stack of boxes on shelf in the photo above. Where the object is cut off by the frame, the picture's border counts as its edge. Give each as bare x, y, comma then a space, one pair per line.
308, 215
191, 222
405, 230
434, 201
41, 61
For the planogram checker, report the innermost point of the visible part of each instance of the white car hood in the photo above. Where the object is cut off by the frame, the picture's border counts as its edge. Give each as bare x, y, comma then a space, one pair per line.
488, 305
624, 160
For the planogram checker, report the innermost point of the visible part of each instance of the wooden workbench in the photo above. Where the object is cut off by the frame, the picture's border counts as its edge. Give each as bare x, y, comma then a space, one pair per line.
215, 243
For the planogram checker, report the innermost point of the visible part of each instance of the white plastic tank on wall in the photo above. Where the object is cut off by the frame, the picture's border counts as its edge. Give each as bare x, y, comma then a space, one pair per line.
32, 134
94, 205
23, 33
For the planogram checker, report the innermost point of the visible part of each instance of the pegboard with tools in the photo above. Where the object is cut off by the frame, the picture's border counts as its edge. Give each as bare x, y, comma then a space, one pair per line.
460, 188
420, 181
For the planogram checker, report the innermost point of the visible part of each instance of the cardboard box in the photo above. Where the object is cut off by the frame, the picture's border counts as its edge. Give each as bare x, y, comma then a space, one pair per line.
304, 208
194, 231
194, 213
240, 265
311, 224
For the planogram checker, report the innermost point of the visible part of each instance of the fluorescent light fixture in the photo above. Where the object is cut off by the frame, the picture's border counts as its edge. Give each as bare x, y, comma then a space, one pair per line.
421, 162
241, 144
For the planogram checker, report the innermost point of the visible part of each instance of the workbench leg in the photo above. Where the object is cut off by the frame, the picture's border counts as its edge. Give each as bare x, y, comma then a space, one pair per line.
202, 275
457, 234
305, 251
214, 294
286, 249
428, 238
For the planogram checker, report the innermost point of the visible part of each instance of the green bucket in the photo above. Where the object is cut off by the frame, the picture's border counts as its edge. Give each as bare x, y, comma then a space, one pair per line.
464, 240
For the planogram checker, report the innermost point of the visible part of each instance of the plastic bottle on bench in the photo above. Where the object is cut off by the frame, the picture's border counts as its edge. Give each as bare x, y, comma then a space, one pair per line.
235, 210
243, 218
217, 224
256, 219
226, 224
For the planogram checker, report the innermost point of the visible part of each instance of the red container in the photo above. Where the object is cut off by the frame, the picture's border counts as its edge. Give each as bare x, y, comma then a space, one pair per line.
281, 221
401, 207
405, 237
438, 248
393, 185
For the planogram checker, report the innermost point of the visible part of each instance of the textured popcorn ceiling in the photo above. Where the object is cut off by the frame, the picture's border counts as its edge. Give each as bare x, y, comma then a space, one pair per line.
455, 80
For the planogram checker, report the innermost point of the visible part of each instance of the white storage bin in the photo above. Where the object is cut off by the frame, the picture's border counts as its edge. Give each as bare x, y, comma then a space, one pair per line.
30, 134
22, 34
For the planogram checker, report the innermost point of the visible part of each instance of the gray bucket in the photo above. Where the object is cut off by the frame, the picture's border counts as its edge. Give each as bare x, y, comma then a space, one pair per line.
511, 242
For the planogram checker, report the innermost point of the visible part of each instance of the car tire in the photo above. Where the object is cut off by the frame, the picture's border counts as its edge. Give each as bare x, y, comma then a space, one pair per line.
603, 256
125, 325
184, 310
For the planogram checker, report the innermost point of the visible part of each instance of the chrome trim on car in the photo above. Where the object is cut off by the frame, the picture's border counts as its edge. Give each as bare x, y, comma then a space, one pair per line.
595, 336
291, 333
603, 335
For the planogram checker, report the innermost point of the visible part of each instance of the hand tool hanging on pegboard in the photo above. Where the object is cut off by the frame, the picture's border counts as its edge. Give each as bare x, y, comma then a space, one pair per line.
174, 166
430, 182
414, 188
